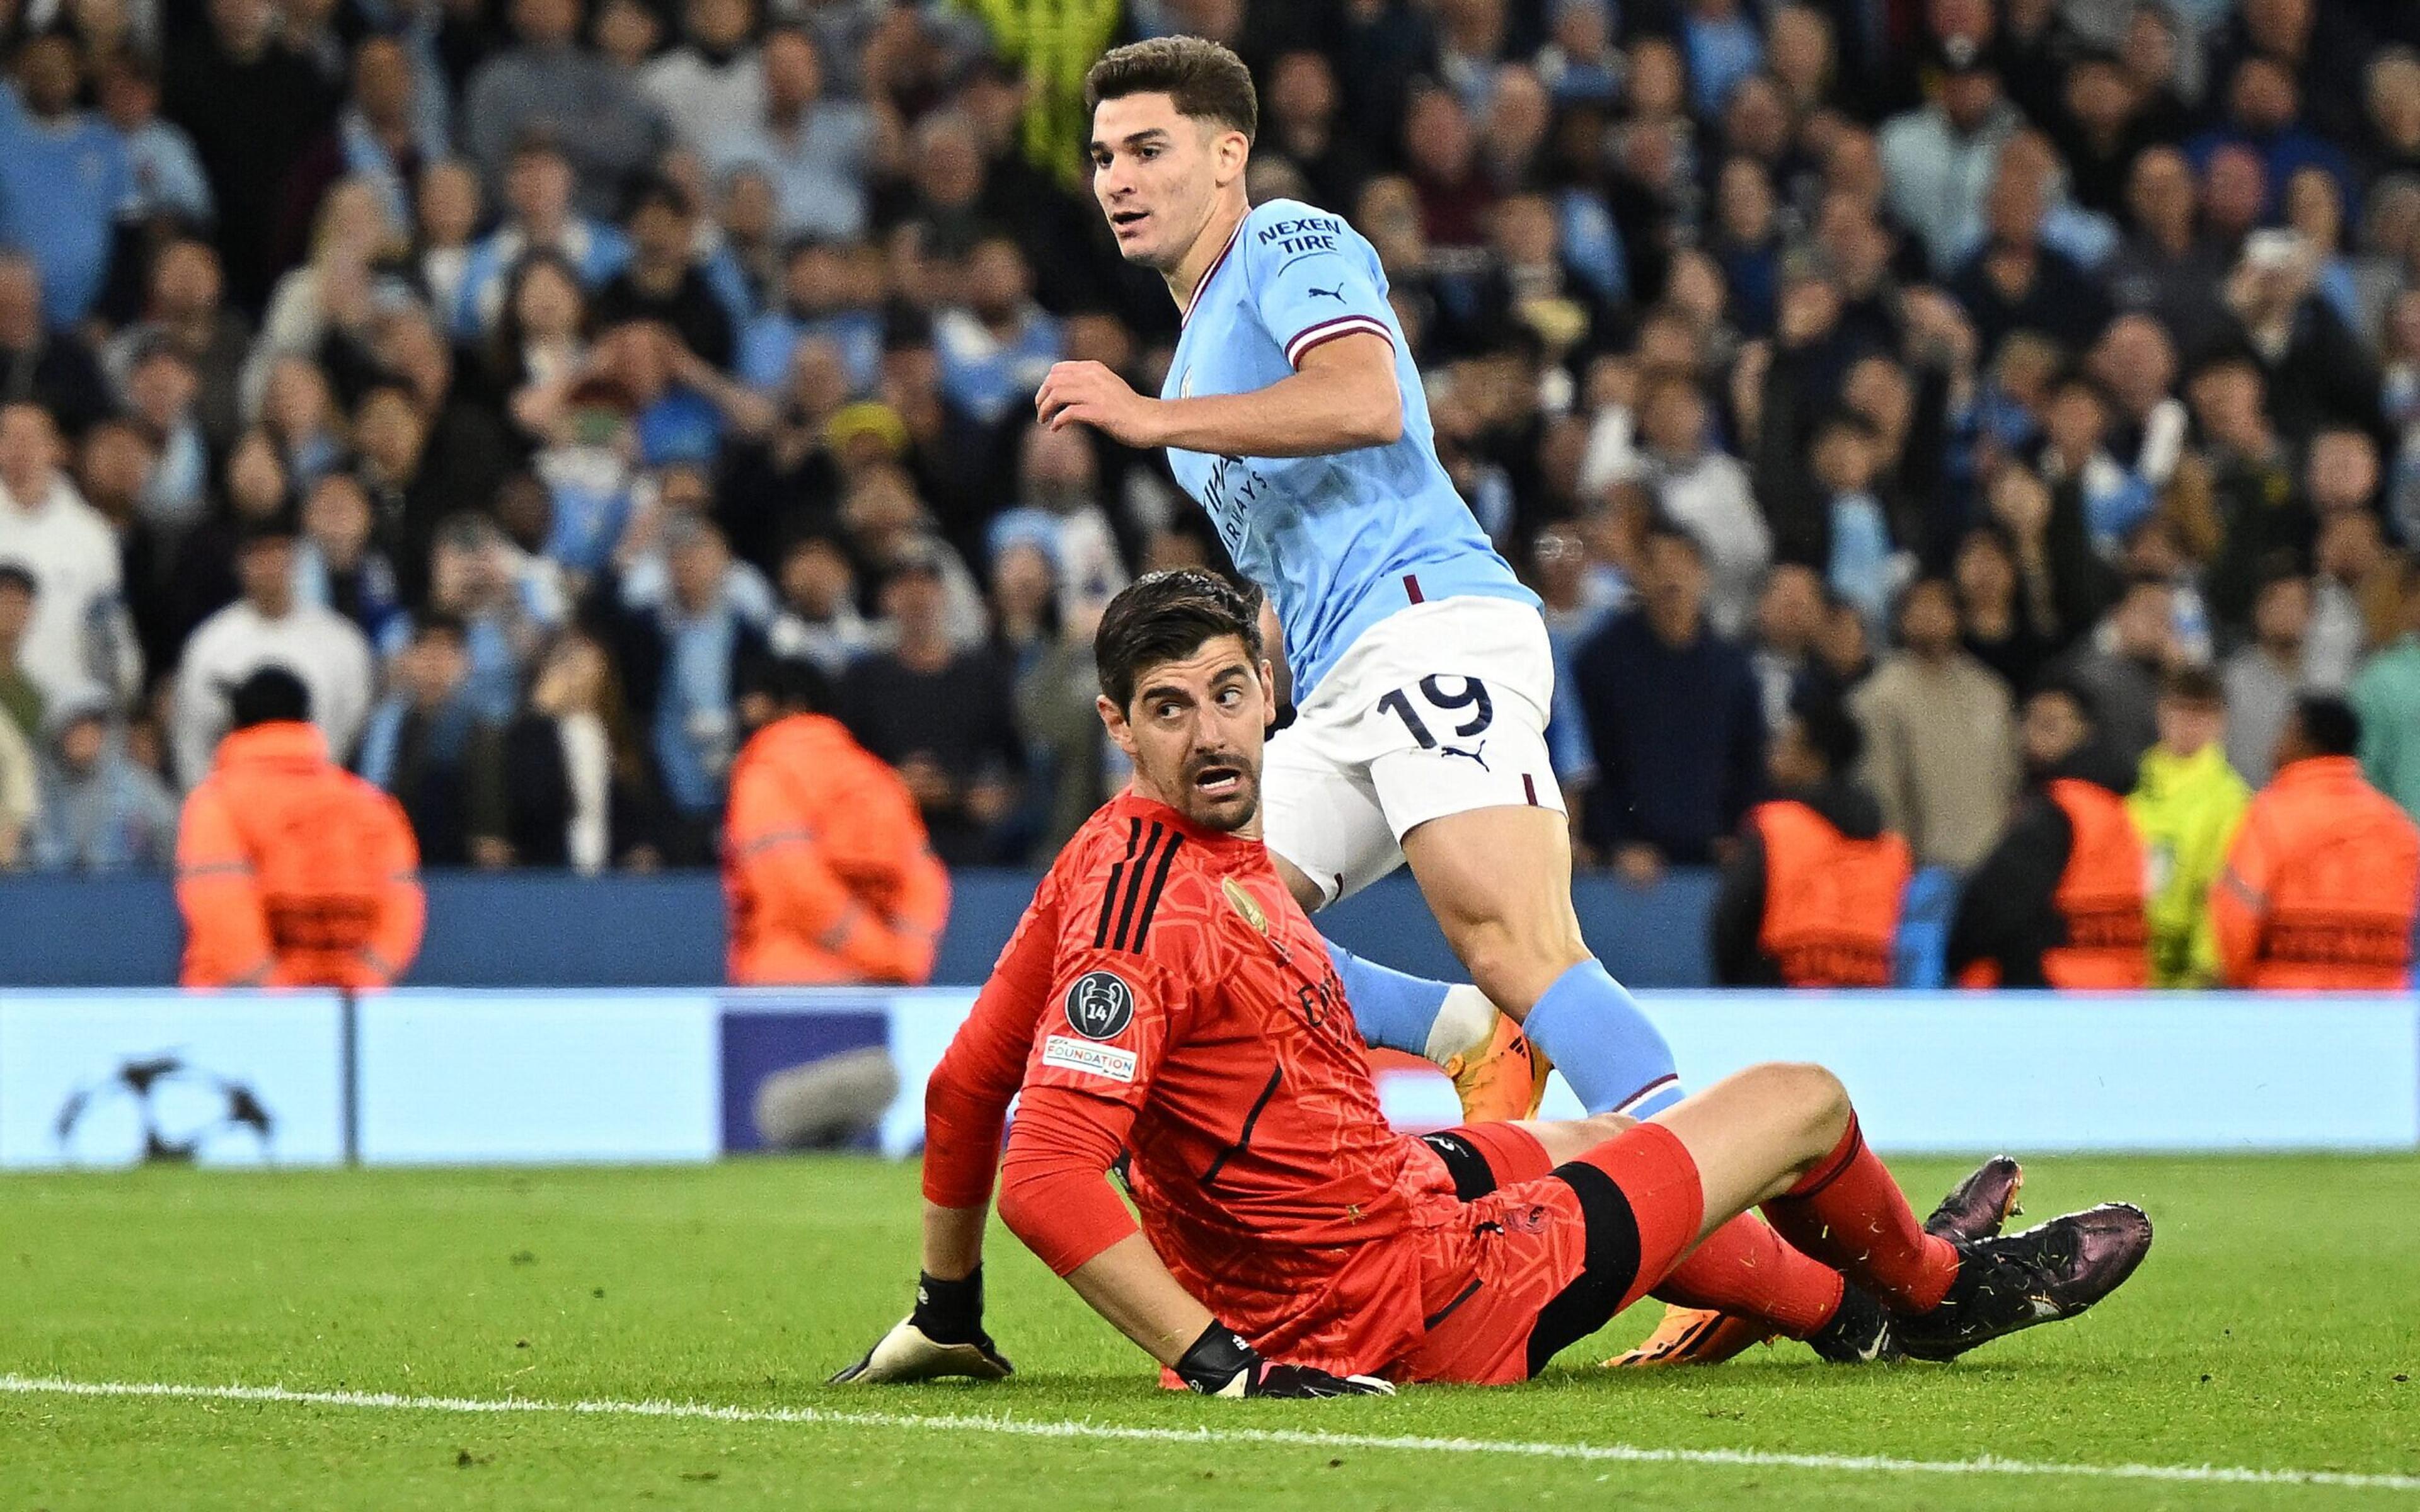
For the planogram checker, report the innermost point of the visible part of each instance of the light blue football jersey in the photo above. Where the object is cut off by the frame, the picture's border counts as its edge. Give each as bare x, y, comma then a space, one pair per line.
1338, 542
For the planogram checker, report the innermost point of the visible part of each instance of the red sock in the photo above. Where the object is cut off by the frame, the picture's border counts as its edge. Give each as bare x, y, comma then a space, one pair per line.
1744, 1268
1850, 1214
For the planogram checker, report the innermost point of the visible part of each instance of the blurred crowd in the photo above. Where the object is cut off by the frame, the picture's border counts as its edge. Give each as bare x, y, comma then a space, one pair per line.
518, 371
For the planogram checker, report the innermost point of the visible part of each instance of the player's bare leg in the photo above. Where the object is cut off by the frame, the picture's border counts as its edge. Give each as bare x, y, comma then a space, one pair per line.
1744, 1271
1741, 1286
1617, 1060
1500, 882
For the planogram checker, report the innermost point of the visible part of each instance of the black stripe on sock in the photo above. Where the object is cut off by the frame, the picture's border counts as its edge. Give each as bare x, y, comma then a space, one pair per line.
1851, 1145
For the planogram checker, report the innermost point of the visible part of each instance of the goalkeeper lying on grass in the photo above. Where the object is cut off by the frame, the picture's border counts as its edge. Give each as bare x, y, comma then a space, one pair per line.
1165, 998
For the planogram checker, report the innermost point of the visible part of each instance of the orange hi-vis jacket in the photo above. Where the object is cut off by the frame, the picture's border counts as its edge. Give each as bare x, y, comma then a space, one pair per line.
2103, 894
826, 867
1831, 904
2320, 886
293, 872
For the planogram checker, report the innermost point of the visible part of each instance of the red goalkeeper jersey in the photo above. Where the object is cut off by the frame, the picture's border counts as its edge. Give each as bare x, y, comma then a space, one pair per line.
1167, 997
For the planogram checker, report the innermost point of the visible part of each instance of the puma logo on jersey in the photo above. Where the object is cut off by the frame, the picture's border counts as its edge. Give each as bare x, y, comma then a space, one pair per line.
1337, 293
1473, 754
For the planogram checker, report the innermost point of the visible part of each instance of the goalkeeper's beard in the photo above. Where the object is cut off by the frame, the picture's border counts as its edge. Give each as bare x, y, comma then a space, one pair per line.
1220, 790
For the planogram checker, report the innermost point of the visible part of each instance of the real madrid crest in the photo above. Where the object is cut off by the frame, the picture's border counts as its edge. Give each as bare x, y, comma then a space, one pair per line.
1246, 906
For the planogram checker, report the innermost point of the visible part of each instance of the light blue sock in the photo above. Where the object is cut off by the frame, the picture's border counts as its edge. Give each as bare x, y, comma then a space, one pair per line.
1395, 1011
1592, 1030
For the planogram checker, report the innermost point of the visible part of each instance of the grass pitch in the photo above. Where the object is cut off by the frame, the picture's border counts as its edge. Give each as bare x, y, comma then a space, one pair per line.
2275, 1326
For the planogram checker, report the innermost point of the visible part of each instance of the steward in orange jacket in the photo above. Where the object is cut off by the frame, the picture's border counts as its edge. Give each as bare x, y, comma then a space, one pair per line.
1811, 899
826, 867
2323, 880
2060, 901
290, 871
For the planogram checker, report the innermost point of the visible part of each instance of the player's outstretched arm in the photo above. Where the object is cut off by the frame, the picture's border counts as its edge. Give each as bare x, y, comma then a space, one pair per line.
1055, 1196
943, 1335
966, 1102
1343, 398
1127, 1285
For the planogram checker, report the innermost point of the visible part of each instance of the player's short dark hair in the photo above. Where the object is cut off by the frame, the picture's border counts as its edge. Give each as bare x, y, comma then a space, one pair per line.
1827, 728
271, 695
1205, 80
2330, 726
1167, 616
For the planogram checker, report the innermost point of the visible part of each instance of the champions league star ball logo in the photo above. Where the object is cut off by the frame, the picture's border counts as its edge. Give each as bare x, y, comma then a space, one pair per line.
157, 1110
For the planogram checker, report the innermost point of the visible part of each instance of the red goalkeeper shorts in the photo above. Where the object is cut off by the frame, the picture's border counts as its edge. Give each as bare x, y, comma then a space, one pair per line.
1526, 1260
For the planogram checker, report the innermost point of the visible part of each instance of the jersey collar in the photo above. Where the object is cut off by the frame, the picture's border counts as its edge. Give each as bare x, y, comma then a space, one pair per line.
1212, 271
1129, 802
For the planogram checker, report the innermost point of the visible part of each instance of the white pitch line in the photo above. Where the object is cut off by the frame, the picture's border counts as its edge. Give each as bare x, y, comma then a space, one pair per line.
1295, 1438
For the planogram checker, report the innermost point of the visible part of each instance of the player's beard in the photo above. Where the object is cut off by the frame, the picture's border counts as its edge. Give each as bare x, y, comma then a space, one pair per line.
1227, 811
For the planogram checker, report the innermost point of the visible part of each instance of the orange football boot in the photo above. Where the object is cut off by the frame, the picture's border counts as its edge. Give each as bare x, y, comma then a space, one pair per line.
1505, 1081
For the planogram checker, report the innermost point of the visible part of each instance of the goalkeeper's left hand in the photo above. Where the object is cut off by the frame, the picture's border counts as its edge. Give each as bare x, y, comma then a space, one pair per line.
1222, 1363
944, 1336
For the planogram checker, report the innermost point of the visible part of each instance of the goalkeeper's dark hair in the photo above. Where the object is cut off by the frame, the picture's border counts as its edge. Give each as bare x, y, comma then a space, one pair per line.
1168, 616
1205, 80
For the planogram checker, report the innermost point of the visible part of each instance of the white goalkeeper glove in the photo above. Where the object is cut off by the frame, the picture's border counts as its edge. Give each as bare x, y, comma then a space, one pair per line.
942, 1338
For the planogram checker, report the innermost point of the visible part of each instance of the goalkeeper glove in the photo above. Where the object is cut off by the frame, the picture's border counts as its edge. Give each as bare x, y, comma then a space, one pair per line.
1221, 1364
943, 1336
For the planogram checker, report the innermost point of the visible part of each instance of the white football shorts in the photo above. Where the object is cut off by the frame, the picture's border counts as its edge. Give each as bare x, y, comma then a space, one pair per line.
1438, 709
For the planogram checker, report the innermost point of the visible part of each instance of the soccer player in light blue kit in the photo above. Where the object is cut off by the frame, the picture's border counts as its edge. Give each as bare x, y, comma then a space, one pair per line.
1293, 413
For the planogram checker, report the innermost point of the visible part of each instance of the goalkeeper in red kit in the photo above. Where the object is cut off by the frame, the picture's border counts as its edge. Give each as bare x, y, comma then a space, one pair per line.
1165, 999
